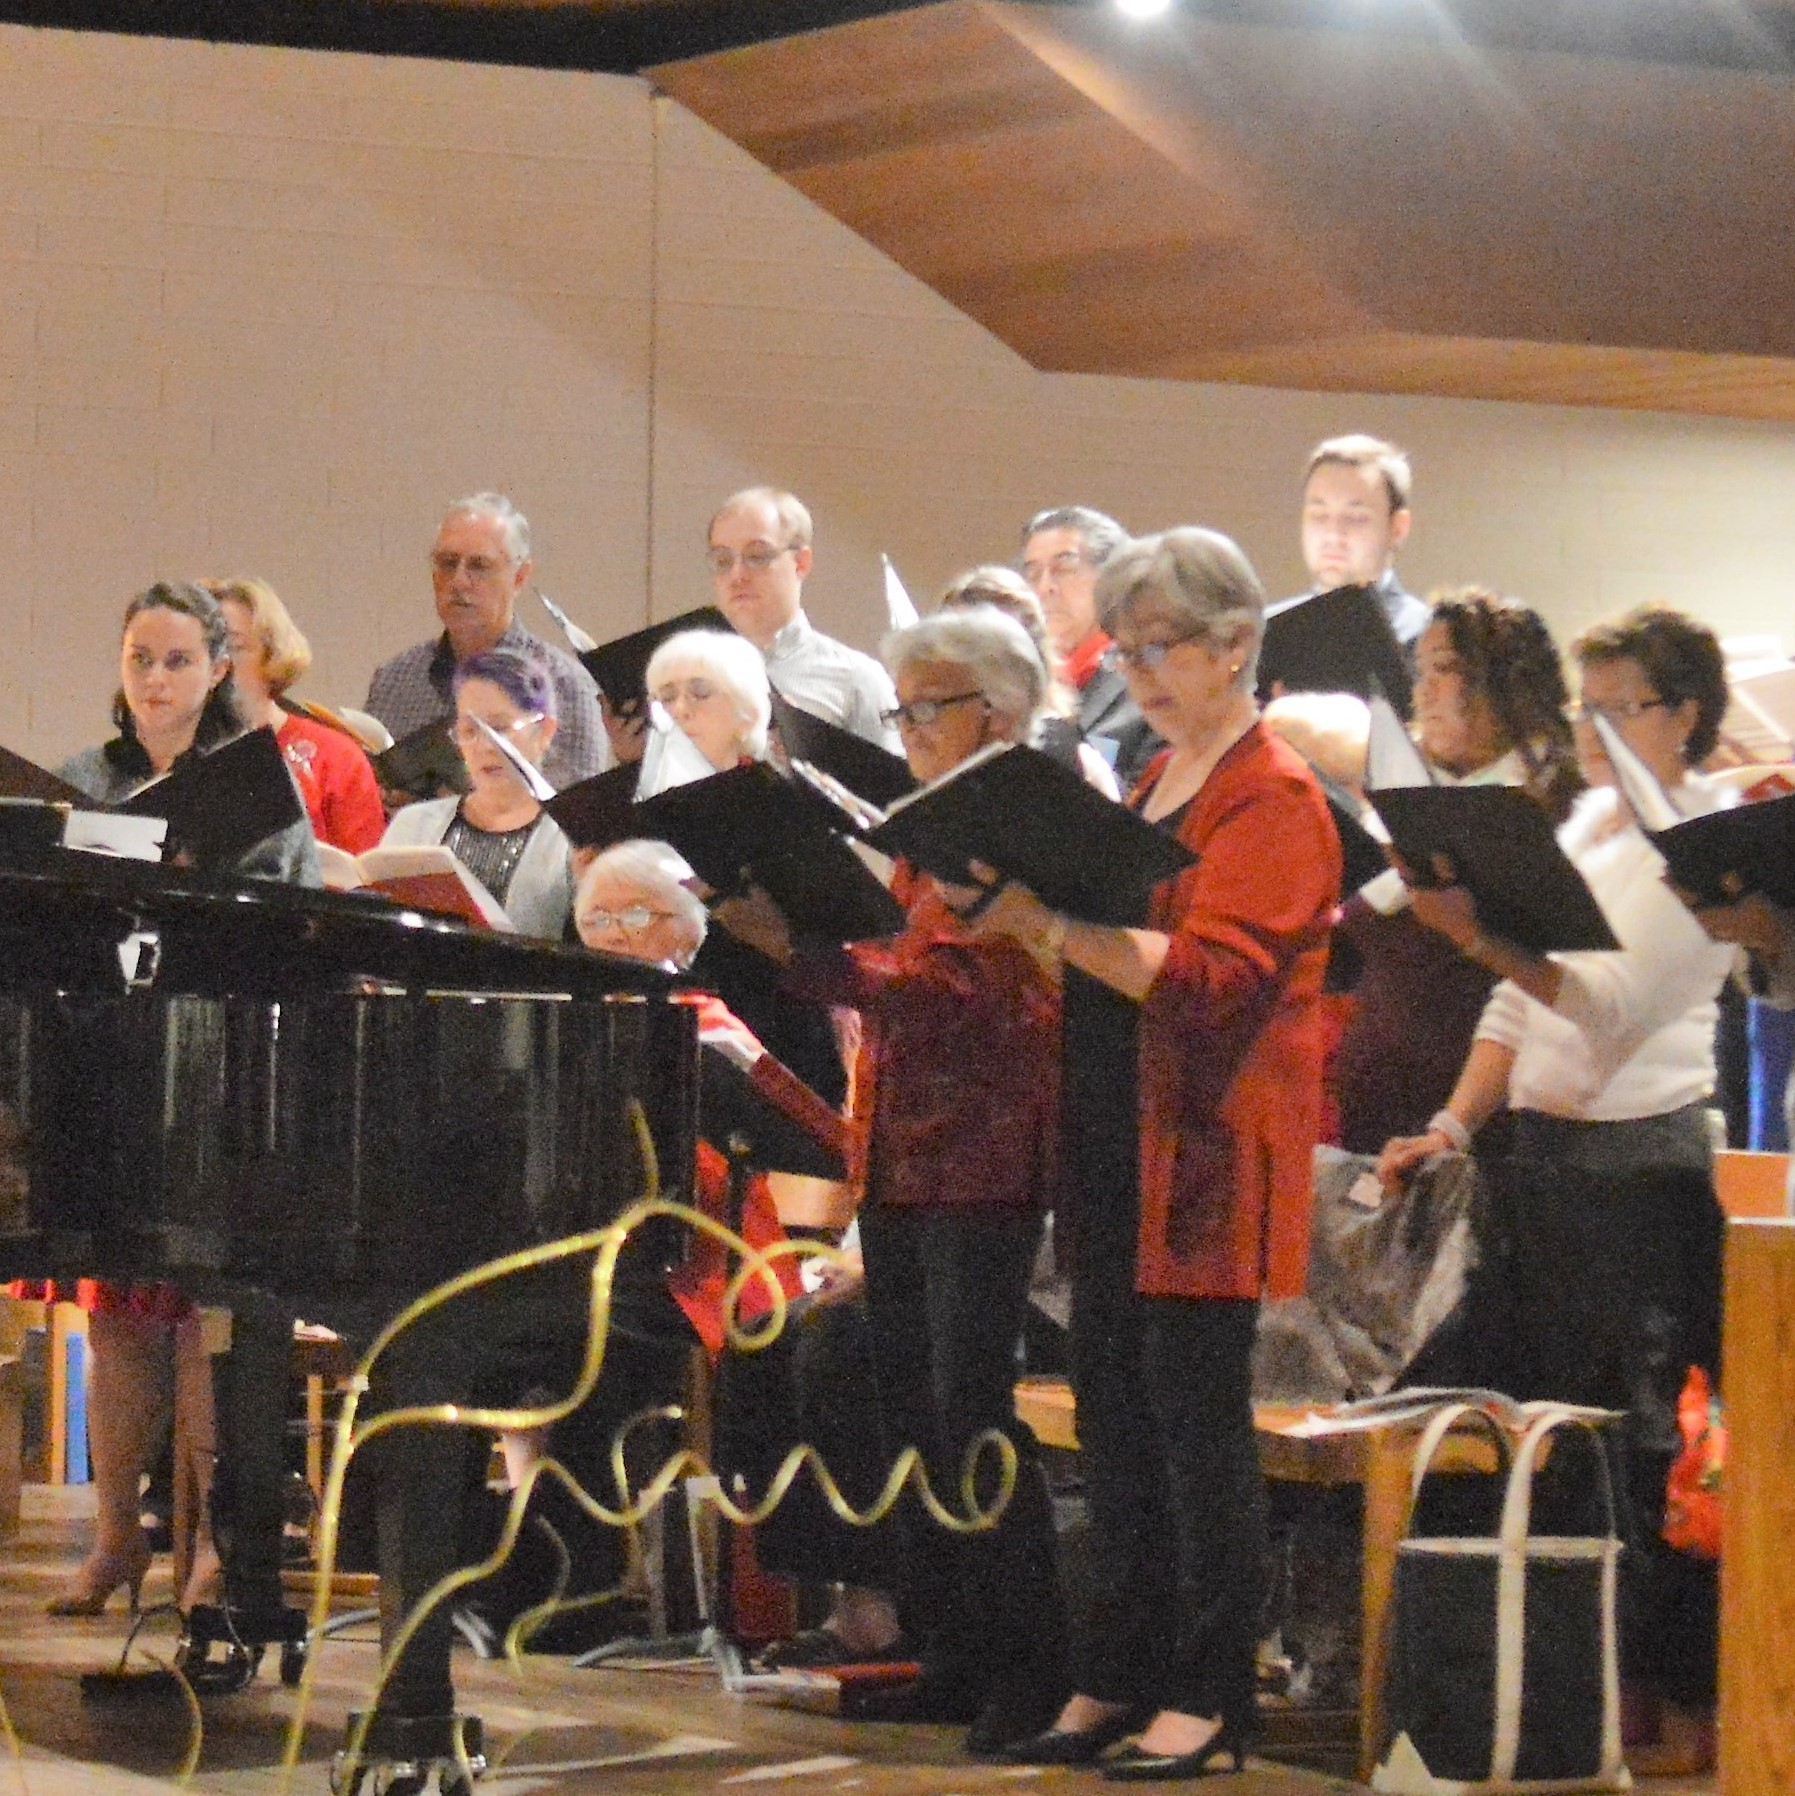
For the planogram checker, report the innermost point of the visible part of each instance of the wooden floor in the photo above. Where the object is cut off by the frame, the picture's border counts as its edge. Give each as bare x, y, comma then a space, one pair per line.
560, 1731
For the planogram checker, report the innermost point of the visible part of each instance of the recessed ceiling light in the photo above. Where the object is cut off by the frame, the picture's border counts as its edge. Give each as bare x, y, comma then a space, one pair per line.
1143, 9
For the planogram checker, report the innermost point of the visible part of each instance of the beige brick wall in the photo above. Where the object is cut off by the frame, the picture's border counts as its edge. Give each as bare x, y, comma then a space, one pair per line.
266, 311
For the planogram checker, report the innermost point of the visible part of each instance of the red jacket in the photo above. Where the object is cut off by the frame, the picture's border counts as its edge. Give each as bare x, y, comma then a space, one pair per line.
1233, 1032
959, 1073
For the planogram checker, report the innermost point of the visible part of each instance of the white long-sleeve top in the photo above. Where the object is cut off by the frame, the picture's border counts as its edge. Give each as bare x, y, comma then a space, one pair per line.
1632, 1033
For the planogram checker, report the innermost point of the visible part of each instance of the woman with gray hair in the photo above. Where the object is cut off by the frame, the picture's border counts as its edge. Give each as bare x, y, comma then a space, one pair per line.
632, 901
713, 684
960, 1098
1193, 1051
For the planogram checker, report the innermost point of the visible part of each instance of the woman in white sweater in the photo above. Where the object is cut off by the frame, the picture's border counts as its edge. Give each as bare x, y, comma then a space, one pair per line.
1601, 1280
499, 829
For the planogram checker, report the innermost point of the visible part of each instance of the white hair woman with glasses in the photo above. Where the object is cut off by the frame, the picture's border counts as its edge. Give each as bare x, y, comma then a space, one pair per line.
499, 828
1193, 1058
713, 684
959, 1098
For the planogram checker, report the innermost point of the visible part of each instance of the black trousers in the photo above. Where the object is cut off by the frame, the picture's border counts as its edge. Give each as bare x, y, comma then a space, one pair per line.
1176, 1502
946, 1290
1600, 1284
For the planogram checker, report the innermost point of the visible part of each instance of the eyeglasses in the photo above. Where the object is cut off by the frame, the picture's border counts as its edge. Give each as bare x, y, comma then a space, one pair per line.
922, 712
467, 729
1149, 657
477, 567
1068, 561
1622, 711
634, 918
756, 558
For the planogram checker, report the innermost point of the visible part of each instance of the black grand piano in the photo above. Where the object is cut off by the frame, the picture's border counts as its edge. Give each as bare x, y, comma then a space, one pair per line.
303, 1103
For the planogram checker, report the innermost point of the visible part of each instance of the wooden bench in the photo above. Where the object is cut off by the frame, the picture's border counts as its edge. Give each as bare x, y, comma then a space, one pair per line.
1294, 1448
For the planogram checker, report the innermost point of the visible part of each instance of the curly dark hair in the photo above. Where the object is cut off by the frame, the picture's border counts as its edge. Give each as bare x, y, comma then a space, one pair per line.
1508, 659
1679, 656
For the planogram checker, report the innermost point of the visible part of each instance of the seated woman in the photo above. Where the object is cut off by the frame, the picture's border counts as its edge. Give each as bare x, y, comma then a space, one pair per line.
961, 1070
713, 684
269, 656
1599, 1280
176, 698
499, 828
1489, 709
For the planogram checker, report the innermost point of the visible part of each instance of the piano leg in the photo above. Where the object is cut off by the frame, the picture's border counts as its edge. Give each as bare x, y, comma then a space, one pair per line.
249, 1504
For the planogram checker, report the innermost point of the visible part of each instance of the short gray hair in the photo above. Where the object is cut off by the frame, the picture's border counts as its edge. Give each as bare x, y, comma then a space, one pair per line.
995, 651
503, 513
735, 664
658, 872
1201, 577
1103, 536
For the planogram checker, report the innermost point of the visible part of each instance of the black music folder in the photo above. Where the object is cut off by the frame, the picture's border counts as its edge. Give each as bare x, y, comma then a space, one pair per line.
1338, 641
425, 764
20, 778
1037, 822
866, 769
1729, 854
220, 804
737, 1100
621, 666
600, 811
1361, 853
1505, 853
750, 824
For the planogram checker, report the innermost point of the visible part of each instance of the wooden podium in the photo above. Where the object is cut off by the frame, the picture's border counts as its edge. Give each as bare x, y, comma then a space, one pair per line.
1757, 1567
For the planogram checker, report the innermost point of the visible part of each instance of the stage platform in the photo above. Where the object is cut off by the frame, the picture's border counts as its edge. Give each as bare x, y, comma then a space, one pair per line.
562, 1731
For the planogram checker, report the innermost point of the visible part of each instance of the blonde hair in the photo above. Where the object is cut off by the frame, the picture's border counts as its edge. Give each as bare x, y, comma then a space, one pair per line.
285, 652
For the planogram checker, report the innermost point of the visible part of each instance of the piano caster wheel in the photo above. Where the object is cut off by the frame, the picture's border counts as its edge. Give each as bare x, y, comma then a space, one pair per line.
400, 1756
292, 1662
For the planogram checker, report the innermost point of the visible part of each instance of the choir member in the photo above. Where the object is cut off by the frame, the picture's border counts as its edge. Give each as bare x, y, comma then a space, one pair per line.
1063, 553
499, 828
479, 566
714, 686
759, 555
268, 656
1599, 1277
1489, 709
960, 1094
176, 698
1193, 1070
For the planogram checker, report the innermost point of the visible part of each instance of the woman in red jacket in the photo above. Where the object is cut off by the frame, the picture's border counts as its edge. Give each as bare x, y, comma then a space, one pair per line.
1193, 1071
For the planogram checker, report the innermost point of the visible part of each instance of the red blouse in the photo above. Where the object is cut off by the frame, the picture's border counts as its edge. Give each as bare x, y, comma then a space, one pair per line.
1233, 1032
337, 782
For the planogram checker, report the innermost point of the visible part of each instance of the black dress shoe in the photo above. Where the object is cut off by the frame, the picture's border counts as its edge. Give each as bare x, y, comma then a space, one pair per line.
1073, 1746
1134, 1766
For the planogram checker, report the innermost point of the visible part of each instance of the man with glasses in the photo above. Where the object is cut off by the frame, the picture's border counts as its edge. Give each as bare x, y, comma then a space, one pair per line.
1063, 551
479, 563
759, 558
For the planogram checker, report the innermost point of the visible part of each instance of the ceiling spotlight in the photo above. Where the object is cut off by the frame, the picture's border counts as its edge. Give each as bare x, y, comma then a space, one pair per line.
1143, 9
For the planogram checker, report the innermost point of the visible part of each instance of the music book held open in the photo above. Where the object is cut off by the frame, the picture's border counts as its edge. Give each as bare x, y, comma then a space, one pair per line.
1040, 823
220, 804
1504, 851
425, 764
750, 825
424, 876
864, 767
621, 666
1338, 641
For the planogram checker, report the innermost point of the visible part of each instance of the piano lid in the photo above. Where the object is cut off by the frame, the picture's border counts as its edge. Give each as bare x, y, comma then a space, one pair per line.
62, 926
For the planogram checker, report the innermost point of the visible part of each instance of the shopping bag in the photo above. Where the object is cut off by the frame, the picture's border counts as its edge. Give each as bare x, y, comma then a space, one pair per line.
1504, 1668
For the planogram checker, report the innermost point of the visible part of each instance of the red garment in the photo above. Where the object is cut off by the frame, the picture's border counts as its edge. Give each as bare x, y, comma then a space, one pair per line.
700, 1283
1084, 660
337, 782
1233, 1032
960, 1057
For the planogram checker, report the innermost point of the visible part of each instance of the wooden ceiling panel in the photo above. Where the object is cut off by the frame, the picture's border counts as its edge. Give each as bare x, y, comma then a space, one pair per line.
1301, 207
